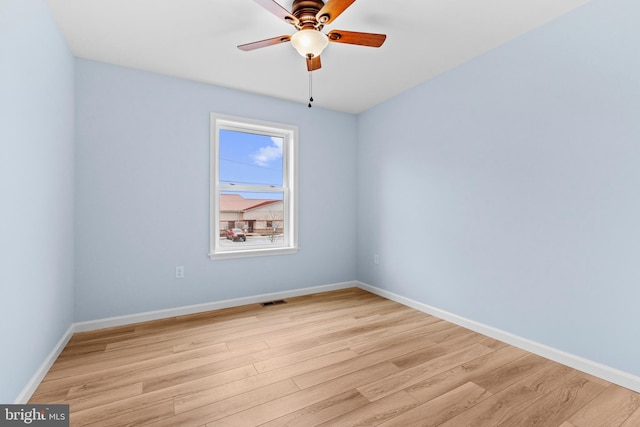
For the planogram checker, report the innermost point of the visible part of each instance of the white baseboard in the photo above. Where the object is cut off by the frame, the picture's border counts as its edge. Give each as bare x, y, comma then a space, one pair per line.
37, 378
599, 370
198, 308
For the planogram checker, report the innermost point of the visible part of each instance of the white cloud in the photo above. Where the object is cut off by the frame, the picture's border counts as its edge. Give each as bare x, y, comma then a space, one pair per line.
264, 155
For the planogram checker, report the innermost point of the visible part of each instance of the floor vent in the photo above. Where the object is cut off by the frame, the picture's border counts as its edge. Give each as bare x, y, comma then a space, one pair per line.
270, 303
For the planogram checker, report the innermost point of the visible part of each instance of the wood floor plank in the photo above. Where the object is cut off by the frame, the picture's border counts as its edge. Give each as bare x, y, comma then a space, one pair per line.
321, 344
442, 383
495, 409
143, 415
288, 404
321, 412
82, 401
558, 405
633, 420
196, 399
409, 377
128, 363
513, 399
459, 339
316, 394
421, 329
157, 370
338, 370
119, 413
227, 407
194, 371
610, 409
325, 333
442, 408
209, 384
377, 412
224, 390
338, 358
512, 372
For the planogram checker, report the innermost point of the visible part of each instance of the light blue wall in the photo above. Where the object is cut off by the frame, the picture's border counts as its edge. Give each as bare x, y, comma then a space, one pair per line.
507, 191
36, 191
142, 206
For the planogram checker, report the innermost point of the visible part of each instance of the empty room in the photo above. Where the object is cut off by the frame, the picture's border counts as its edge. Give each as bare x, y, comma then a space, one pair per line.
425, 214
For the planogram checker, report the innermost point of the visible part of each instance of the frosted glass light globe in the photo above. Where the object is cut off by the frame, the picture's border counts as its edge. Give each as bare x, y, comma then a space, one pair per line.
309, 42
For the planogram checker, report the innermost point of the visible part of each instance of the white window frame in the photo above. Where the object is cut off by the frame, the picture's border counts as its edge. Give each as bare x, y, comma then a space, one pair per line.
289, 134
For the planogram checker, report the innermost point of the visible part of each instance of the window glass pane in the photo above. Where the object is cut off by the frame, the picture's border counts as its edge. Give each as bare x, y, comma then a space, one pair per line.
251, 219
250, 159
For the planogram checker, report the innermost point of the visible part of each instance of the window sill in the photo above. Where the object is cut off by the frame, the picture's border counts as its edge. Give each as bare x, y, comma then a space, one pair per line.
252, 253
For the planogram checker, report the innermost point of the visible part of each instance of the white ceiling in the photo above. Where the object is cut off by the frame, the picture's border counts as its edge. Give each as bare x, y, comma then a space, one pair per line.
197, 39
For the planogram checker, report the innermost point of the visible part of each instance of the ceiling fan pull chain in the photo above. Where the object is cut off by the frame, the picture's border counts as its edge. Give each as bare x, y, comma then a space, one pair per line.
310, 89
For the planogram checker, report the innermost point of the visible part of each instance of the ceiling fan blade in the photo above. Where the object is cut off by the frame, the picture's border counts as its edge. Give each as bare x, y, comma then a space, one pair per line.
332, 10
353, 37
279, 11
264, 43
313, 63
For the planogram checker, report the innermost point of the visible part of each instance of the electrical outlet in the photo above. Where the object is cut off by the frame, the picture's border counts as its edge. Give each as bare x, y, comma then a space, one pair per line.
180, 272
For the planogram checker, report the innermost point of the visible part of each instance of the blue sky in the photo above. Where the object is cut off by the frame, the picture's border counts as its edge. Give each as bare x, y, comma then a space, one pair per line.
250, 159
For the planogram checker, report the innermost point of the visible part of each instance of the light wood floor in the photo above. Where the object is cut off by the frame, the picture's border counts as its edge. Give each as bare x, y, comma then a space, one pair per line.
342, 358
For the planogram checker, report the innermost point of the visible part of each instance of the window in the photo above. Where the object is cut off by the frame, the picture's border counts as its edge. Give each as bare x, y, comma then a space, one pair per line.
253, 188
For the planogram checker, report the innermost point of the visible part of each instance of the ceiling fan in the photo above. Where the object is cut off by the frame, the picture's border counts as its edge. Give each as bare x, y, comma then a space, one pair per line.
309, 17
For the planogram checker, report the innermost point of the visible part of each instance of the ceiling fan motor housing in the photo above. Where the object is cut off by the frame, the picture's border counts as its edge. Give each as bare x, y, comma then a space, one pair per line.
306, 11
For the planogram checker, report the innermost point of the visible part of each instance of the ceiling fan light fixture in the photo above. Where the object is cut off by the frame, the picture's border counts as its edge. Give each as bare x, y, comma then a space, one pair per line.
309, 43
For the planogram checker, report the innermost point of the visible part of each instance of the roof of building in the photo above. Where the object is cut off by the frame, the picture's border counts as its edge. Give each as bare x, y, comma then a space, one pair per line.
237, 203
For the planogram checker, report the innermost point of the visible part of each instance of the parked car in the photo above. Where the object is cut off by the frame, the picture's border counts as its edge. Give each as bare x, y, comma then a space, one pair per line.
236, 235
